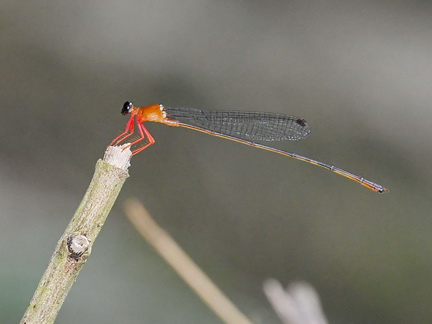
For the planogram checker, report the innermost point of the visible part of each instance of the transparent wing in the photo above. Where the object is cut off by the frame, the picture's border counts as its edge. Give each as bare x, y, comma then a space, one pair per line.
254, 126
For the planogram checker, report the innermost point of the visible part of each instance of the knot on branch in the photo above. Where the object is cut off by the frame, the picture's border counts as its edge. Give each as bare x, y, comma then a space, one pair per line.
77, 245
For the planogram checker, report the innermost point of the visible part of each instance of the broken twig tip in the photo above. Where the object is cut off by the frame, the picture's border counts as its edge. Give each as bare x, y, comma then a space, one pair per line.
118, 156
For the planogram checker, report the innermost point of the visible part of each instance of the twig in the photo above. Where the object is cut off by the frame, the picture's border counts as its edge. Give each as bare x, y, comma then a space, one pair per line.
183, 265
74, 247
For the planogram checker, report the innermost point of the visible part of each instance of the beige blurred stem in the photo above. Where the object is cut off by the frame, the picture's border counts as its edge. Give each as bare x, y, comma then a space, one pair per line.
74, 246
183, 265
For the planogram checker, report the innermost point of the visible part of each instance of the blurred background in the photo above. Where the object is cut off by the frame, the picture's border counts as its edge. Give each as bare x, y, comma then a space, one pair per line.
358, 71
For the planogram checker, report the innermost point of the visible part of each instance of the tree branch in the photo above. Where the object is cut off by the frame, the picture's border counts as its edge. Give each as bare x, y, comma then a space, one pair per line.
74, 247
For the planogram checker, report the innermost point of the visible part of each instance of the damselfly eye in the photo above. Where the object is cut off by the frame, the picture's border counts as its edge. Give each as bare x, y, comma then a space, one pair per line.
127, 108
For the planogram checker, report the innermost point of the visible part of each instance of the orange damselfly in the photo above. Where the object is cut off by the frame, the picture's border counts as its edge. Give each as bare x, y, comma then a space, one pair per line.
240, 126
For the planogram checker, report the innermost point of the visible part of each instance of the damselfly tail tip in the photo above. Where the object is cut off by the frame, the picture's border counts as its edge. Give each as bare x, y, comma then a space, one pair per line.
371, 185
382, 190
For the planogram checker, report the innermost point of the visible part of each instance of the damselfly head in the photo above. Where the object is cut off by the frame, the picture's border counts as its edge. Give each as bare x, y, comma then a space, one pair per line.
127, 108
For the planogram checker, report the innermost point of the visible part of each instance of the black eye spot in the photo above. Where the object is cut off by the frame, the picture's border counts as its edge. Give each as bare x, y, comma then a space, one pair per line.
126, 108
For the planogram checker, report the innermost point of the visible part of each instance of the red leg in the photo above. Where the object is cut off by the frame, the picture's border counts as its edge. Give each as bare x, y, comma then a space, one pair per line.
128, 132
144, 133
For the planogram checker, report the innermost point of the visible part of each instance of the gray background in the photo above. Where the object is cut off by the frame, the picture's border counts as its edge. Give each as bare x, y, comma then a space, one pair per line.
358, 71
